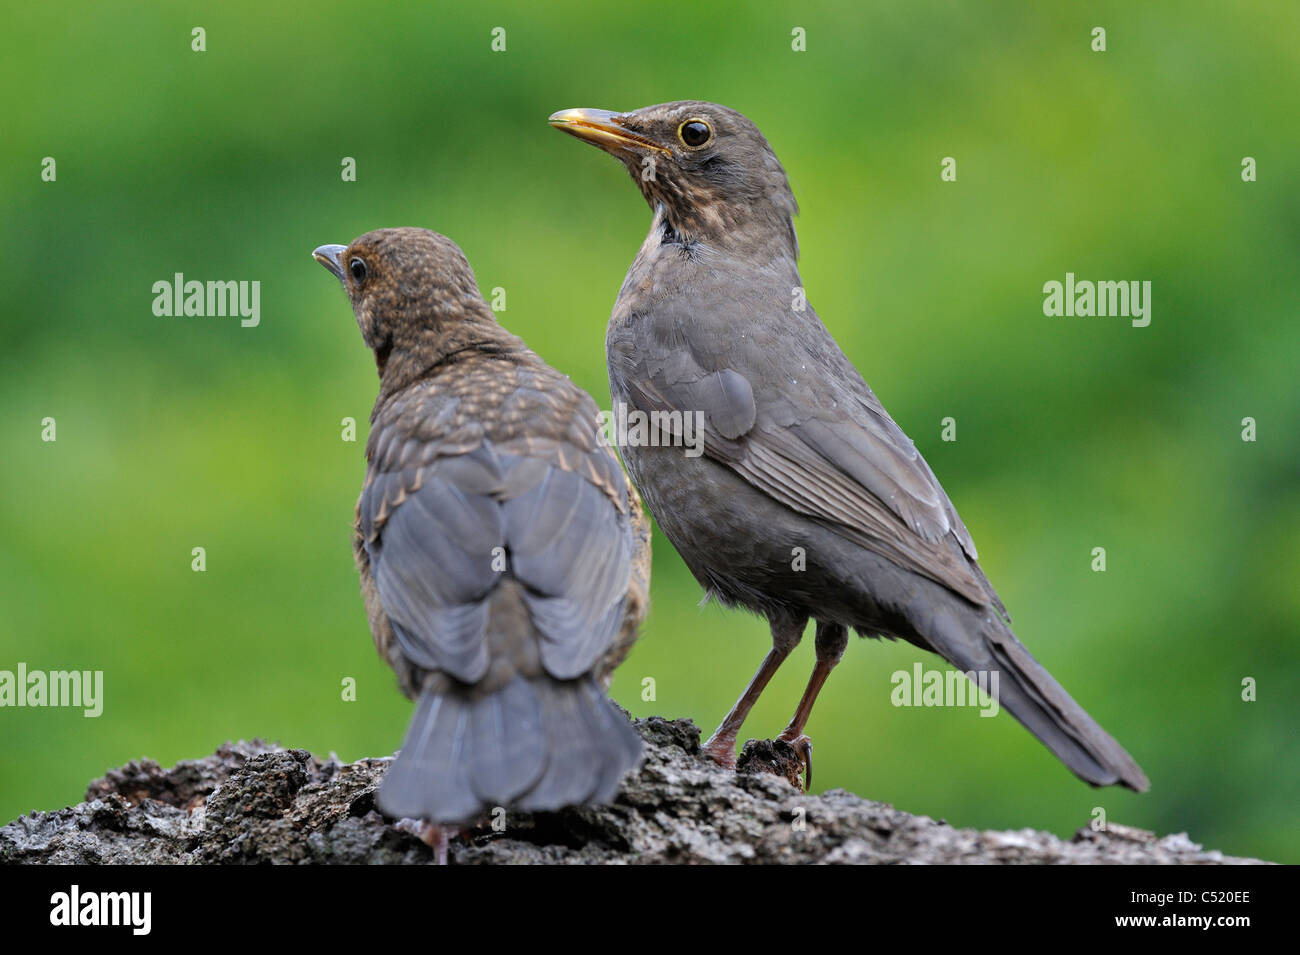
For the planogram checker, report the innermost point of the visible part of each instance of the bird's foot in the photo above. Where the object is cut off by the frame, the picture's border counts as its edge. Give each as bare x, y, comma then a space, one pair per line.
802, 747
721, 748
435, 837
777, 757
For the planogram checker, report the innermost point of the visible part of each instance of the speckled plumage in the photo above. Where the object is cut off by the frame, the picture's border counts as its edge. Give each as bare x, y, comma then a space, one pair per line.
503, 555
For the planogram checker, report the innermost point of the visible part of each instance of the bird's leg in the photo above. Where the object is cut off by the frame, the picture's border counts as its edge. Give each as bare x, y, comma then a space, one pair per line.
787, 631
832, 638
436, 838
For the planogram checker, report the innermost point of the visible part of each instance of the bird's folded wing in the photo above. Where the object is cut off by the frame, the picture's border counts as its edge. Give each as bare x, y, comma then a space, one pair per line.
843, 465
572, 549
444, 531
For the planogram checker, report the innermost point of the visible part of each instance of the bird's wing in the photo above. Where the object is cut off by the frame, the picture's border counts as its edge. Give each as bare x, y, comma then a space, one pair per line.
795, 425
572, 548
445, 521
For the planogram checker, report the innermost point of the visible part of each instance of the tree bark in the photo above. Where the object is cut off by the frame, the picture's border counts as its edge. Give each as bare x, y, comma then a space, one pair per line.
253, 802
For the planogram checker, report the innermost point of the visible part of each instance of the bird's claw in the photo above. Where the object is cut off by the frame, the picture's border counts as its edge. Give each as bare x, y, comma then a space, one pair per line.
802, 745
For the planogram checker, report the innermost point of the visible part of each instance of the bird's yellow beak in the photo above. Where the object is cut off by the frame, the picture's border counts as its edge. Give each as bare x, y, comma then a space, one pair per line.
602, 128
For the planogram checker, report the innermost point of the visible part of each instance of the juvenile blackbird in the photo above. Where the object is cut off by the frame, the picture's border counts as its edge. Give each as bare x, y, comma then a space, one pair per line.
504, 557
808, 501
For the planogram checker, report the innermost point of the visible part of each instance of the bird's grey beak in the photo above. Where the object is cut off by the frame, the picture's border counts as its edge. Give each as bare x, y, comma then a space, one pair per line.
331, 256
602, 128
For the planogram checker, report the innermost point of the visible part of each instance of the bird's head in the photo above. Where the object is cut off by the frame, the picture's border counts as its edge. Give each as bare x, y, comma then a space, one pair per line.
408, 288
706, 166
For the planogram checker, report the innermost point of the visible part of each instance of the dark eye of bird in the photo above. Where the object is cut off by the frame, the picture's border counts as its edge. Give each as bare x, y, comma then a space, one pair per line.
695, 132
358, 270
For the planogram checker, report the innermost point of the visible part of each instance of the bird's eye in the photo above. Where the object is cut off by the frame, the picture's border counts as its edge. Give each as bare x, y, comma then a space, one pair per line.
694, 132
358, 270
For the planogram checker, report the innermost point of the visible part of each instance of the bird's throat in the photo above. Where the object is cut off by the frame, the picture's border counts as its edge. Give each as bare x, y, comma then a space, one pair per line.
381, 355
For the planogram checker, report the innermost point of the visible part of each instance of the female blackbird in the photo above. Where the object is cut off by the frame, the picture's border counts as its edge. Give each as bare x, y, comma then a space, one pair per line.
808, 501
504, 557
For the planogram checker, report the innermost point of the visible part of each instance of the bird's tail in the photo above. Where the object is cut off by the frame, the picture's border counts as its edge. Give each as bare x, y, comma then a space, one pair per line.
1033, 697
534, 744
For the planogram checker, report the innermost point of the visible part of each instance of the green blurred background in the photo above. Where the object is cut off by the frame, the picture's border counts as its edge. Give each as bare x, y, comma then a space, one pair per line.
1072, 433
